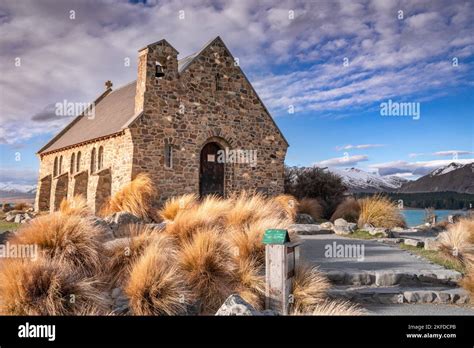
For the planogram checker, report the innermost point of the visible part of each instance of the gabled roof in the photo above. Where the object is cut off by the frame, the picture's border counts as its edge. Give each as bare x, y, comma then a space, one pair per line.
114, 111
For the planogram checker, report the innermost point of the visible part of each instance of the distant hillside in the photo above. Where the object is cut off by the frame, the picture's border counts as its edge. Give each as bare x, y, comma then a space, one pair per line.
12, 193
454, 177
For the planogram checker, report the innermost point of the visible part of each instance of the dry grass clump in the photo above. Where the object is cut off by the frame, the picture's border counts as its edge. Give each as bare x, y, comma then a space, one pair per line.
205, 264
309, 288
155, 285
68, 239
333, 307
311, 207
247, 207
379, 211
289, 204
135, 197
349, 210
456, 242
468, 281
47, 287
174, 205
76, 206
21, 206
249, 278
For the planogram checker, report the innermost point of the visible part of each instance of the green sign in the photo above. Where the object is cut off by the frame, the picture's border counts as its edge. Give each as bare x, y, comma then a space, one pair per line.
274, 236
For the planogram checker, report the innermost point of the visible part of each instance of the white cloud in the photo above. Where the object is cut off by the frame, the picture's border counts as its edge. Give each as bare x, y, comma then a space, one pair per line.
361, 146
343, 161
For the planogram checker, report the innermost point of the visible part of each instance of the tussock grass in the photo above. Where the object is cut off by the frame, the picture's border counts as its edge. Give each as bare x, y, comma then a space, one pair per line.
468, 281
249, 278
47, 287
205, 264
456, 242
311, 207
333, 307
135, 197
155, 285
69, 239
348, 210
174, 205
76, 206
379, 211
289, 204
247, 207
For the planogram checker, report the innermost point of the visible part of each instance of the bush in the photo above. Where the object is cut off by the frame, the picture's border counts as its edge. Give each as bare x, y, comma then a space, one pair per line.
379, 211
457, 241
315, 182
348, 210
21, 206
312, 207
289, 204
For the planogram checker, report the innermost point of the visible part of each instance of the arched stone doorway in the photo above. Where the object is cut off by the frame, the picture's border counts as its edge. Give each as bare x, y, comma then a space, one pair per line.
104, 189
44, 198
211, 170
61, 190
80, 185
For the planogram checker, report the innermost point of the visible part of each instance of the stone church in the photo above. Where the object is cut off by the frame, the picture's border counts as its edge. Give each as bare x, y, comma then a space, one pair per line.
191, 124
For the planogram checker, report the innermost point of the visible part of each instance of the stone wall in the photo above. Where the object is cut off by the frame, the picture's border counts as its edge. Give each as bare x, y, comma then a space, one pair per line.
115, 172
210, 99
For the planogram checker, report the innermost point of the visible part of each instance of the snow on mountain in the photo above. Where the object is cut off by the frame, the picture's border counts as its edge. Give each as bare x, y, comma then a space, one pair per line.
358, 180
17, 188
446, 169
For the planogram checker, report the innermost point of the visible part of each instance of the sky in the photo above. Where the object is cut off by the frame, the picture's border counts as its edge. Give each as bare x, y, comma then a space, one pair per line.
384, 86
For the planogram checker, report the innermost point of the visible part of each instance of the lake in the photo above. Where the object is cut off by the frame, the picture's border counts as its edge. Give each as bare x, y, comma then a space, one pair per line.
415, 217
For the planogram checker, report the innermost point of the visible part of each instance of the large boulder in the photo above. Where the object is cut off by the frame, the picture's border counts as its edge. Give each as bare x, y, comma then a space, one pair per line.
119, 221
304, 219
380, 232
106, 231
235, 305
308, 229
343, 227
328, 225
432, 244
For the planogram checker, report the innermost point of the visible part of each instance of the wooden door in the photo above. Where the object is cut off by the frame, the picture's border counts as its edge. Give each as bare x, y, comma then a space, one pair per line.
211, 173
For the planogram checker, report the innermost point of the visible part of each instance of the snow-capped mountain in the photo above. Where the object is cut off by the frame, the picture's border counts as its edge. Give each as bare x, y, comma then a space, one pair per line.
358, 180
454, 177
11, 191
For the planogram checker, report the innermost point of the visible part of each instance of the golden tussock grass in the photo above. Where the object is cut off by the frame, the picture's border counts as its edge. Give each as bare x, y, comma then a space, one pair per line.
68, 239
332, 307
247, 207
205, 264
349, 210
289, 204
174, 205
309, 288
311, 207
76, 206
468, 281
249, 278
379, 211
456, 242
135, 197
122, 253
155, 285
46, 287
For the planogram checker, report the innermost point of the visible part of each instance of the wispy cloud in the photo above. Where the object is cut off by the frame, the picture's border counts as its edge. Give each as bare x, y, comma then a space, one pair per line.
362, 146
342, 161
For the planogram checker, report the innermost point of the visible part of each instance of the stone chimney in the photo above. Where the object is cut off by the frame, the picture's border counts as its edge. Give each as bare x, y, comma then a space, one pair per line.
157, 73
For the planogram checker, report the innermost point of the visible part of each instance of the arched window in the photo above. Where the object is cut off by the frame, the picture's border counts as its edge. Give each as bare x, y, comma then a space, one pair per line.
73, 164
60, 165
93, 160
55, 168
78, 162
168, 155
100, 162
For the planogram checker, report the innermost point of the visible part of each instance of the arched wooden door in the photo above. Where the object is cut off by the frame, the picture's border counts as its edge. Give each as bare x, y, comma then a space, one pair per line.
211, 173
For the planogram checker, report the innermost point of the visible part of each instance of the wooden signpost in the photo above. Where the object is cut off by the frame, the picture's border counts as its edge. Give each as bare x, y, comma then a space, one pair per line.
281, 257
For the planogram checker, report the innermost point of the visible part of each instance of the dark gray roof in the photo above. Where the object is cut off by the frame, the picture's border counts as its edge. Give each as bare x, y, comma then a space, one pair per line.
112, 113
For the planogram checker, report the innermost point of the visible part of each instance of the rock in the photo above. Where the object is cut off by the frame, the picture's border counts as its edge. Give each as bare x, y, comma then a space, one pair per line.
343, 227
25, 219
235, 305
118, 222
116, 292
432, 244
387, 278
4, 236
308, 229
390, 240
327, 225
9, 217
380, 231
304, 219
413, 242
107, 232
18, 218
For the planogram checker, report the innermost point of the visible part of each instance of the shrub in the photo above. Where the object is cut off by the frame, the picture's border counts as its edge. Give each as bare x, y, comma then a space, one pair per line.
349, 210
47, 287
315, 182
135, 197
379, 211
174, 205
456, 242
205, 263
155, 286
311, 207
21, 206
289, 204
309, 288
249, 279
68, 239
333, 307
76, 206
468, 281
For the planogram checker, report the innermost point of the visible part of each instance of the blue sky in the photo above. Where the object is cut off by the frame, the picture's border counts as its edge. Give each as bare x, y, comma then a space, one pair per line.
332, 62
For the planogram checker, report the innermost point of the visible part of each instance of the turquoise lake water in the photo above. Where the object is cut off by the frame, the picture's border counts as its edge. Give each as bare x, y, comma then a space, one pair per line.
415, 217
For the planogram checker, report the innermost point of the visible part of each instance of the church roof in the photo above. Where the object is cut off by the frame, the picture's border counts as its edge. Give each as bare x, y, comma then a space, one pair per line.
114, 111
